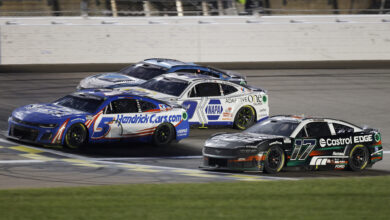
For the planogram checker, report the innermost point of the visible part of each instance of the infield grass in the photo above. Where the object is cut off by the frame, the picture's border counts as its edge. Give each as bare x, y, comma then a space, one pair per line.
341, 198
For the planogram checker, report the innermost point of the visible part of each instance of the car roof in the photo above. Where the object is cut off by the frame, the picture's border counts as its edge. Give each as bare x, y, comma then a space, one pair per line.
167, 63
189, 77
103, 93
301, 118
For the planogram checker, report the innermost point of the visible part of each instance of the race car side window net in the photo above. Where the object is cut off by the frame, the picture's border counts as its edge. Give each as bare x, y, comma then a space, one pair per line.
123, 106
228, 89
207, 89
318, 129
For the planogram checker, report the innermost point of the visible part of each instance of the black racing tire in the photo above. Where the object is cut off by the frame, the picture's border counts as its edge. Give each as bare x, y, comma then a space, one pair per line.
274, 160
76, 137
164, 134
245, 117
358, 158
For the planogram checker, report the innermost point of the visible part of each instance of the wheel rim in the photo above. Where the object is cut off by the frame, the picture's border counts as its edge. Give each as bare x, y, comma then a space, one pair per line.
75, 136
359, 158
163, 134
244, 117
274, 159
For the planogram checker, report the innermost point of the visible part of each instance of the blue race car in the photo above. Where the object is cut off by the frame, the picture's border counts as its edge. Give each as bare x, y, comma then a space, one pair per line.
99, 116
140, 72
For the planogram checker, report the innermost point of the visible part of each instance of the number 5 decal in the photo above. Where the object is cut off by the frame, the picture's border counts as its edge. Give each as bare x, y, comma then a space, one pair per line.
302, 148
103, 128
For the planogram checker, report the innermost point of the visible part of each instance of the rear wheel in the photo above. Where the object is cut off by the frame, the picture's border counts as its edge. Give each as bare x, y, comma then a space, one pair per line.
245, 118
274, 160
76, 137
163, 134
358, 158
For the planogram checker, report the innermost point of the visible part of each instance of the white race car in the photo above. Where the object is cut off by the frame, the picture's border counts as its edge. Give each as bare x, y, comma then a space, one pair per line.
209, 101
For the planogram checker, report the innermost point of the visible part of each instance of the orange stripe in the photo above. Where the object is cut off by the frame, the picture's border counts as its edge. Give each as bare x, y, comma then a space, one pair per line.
376, 158
178, 123
316, 153
250, 158
153, 110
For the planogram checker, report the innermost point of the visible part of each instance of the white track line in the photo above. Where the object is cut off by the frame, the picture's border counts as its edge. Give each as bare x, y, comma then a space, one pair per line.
20, 161
6, 141
147, 158
386, 152
197, 170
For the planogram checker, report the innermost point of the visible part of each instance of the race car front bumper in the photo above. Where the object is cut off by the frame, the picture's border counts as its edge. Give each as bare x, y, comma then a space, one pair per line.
251, 163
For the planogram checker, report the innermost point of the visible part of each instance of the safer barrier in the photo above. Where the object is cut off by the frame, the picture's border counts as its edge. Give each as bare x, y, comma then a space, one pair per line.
67, 40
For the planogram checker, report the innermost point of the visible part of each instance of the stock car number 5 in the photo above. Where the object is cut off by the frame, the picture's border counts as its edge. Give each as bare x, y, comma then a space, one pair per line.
302, 148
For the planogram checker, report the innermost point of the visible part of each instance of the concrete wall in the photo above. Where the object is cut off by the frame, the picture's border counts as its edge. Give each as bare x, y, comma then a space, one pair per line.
199, 39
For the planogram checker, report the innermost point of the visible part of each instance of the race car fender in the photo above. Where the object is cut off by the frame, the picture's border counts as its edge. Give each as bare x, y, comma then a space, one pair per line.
69, 124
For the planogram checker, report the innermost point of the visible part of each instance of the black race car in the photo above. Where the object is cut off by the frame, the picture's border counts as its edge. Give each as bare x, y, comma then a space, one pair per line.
289, 141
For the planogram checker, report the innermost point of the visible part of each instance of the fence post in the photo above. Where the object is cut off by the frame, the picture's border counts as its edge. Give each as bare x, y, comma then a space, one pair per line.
179, 8
205, 8
113, 8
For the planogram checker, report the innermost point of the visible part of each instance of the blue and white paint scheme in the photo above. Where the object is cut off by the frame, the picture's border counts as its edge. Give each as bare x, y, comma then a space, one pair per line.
107, 115
140, 72
204, 104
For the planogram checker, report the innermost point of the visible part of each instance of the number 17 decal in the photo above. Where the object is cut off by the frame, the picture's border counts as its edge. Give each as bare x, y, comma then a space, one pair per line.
302, 148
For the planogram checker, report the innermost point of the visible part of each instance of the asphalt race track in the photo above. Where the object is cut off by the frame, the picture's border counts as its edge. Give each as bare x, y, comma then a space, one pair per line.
360, 96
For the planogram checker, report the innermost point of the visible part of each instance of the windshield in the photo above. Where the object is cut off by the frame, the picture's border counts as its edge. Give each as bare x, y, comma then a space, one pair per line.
168, 86
85, 104
274, 127
144, 72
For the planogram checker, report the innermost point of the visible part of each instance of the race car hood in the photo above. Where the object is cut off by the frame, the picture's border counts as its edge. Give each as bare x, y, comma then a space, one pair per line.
45, 113
237, 140
108, 80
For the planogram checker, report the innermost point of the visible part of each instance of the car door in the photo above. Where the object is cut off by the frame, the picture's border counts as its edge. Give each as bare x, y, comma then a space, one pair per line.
306, 143
203, 103
120, 118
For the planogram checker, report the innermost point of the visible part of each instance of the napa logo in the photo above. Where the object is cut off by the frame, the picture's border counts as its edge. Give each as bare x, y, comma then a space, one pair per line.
214, 109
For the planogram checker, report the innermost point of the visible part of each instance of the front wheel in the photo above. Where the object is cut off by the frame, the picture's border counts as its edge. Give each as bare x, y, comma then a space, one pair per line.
76, 137
358, 158
274, 160
163, 134
245, 118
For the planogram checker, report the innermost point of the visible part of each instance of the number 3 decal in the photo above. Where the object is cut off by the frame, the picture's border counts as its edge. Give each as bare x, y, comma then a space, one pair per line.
302, 148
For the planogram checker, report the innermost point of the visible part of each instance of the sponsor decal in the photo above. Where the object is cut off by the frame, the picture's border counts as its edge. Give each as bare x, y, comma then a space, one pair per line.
265, 99
227, 114
190, 106
329, 142
163, 107
184, 115
143, 119
231, 100
377, 137
256, 99
338, 153
214, 109
181, 131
